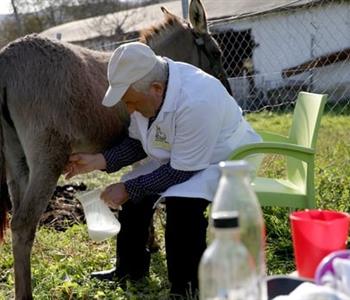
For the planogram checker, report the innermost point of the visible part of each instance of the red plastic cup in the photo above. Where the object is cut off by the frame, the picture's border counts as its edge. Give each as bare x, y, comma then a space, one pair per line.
315, 234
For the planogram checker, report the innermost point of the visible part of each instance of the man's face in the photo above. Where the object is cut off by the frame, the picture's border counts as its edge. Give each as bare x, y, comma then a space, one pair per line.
145, 104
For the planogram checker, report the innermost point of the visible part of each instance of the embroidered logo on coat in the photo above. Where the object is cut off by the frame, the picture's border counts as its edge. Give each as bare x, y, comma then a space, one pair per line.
160, 139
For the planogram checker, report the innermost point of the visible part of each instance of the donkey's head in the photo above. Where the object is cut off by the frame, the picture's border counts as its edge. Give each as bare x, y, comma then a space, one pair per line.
209, 53
188, 42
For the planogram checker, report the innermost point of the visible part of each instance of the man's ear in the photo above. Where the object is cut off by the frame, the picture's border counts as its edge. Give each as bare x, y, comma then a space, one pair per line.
158, 87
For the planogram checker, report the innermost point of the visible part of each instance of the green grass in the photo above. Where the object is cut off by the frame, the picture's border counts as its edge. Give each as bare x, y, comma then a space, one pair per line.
62, 261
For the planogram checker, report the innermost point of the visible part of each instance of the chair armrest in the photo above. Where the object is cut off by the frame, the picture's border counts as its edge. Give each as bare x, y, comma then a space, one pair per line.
273, 137
298, 152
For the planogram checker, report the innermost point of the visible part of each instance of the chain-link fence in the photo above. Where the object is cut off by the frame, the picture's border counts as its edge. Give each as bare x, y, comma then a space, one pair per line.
271, 56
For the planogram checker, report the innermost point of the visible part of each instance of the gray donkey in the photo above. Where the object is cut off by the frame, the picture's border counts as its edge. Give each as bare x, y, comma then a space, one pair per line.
51, 95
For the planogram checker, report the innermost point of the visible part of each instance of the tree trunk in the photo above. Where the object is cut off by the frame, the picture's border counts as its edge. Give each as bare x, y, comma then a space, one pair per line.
17, 17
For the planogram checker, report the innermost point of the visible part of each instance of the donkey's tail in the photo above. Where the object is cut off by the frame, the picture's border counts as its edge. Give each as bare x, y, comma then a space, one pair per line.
4, 195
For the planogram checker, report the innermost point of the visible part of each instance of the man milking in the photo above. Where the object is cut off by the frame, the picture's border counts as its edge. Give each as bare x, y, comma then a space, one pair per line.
182, 123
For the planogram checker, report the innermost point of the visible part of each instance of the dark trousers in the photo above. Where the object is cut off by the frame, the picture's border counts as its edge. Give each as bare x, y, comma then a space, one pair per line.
185, 240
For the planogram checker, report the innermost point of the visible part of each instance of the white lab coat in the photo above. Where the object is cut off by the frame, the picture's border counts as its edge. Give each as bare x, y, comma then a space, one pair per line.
198, 126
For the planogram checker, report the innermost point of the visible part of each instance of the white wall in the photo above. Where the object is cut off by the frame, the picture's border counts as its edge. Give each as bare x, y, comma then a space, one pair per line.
289, 38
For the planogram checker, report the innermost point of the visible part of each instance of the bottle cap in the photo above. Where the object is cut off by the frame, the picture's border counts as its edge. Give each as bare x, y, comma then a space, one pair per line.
225, 219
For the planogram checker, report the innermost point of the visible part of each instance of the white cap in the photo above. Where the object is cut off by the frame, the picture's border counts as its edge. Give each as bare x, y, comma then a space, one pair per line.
128, 63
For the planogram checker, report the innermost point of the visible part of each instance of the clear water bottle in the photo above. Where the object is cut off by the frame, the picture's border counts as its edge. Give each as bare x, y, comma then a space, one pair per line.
234, 193
226, 270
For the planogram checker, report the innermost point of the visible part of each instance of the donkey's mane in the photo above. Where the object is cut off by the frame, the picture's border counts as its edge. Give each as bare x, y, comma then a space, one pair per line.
159, 33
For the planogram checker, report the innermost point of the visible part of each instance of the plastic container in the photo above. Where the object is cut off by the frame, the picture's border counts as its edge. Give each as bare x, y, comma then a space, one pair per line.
226, 269
334, 271
234, 193
101, 222
326, 265
315, 234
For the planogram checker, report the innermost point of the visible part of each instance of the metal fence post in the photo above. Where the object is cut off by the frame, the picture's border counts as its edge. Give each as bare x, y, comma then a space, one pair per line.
185, 9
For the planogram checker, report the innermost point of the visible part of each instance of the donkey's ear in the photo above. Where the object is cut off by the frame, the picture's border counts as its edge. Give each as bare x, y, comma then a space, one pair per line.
166, 12
198, 16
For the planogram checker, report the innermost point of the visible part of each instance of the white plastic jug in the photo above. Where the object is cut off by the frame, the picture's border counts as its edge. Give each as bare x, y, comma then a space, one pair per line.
101, 222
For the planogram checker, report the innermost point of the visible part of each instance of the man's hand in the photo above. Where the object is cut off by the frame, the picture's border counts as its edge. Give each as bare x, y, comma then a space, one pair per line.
115, 195
81, 163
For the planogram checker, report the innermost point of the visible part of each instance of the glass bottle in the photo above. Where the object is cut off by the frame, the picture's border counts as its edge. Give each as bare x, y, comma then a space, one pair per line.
235, 193
226, 270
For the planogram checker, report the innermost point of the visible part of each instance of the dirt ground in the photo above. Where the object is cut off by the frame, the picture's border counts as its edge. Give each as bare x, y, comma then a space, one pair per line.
64, 209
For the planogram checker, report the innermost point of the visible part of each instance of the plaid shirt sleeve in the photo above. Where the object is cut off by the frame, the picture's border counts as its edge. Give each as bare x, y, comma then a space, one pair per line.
156, 182
124, 154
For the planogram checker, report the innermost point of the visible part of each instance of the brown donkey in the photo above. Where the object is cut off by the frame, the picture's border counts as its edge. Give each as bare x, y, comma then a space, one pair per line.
51, 97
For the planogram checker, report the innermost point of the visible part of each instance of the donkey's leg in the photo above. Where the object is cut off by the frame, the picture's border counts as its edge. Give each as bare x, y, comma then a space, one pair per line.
16, 165
46, 157
17, 172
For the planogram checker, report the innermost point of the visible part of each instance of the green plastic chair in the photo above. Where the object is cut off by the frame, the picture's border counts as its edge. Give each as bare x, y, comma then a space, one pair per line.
297, 190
